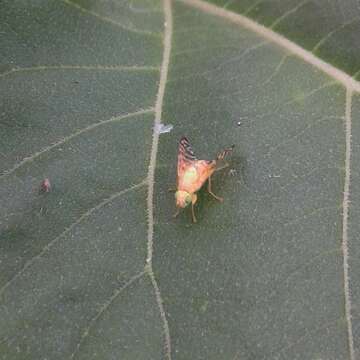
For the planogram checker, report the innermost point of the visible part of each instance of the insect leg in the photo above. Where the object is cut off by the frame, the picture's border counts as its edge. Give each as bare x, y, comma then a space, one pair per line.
193, 213
222, 154
177, 213
223, 166
193, 201
211, 193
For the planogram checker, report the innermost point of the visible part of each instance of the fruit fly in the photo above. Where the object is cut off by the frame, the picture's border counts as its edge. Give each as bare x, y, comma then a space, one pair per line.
192, 174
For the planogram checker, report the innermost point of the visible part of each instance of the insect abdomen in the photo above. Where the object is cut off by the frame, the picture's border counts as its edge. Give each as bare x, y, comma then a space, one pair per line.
190, 177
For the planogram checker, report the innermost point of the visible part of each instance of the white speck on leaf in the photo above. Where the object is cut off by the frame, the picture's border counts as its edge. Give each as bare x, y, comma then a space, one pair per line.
162, 128
273, 176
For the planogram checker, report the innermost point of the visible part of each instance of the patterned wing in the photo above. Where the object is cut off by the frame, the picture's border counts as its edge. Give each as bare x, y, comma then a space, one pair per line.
204, 169
186, 156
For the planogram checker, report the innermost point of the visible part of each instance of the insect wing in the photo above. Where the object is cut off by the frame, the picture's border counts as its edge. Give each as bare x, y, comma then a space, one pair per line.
186, 157
204, 169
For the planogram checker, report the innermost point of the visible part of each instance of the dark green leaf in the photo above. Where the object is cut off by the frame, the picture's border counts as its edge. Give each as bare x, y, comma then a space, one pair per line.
97, 267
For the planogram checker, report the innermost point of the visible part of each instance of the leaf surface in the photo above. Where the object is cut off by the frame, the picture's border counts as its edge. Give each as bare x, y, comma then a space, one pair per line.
97, 268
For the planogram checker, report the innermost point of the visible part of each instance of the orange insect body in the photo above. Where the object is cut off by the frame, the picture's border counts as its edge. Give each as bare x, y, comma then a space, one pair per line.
192, 174
195, 176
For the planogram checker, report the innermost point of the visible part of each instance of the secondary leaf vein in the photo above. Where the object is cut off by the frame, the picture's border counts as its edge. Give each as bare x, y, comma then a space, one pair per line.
288, 13
110, 21
78, 67
49, 245
78, 132
277, 39
331, 33
103, 309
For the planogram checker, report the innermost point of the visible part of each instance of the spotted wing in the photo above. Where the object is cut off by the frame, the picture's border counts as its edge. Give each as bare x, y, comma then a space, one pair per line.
186, 157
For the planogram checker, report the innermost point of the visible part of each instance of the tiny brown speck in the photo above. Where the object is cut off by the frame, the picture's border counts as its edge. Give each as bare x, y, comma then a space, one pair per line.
45, 185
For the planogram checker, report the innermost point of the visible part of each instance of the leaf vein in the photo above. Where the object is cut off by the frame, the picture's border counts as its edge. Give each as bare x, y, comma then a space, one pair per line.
103, 309
299, 133
228, 61
276, 70
279, 40
303, 337
228, 3
78, 67
35, 155
322, 41
49, 245
168, 28
253, 6
345, 246
288, 13
109, 20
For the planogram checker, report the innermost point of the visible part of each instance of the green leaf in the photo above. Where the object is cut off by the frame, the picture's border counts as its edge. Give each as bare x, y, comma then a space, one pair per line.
329, 30
97, 267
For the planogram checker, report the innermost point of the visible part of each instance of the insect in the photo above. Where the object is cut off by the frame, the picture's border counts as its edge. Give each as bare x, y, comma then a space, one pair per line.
45, 185
192, 174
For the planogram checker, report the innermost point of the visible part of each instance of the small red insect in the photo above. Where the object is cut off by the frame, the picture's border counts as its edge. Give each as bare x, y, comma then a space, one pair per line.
45, 185
192, 174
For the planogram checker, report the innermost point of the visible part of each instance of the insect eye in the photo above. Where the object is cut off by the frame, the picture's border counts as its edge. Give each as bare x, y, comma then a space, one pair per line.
188, 199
